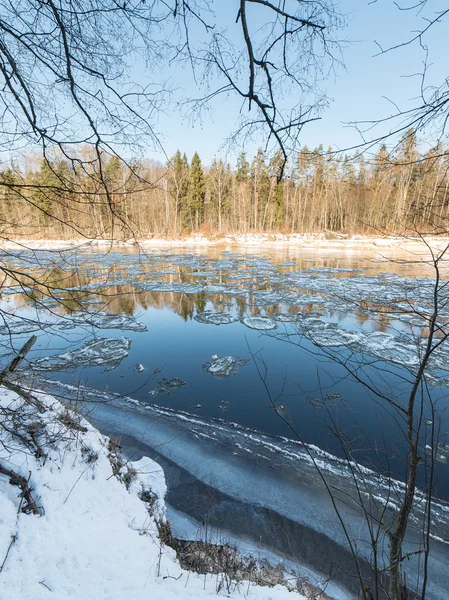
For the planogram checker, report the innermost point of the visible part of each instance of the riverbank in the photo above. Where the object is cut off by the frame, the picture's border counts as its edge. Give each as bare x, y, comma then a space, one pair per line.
91, 524
257, 489
325, 241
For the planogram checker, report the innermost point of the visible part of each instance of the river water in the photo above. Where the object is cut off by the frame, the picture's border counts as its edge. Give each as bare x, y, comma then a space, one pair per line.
324, 344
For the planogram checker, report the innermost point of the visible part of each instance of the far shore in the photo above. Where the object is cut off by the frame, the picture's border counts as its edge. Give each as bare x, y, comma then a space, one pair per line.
328, 241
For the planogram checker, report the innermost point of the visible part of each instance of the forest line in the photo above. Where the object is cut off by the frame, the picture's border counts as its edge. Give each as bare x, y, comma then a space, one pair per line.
392, 192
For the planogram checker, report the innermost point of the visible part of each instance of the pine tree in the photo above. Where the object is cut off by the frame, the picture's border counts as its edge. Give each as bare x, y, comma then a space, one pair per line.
242, 168
48, 191
178, 187
10, 197
197, 192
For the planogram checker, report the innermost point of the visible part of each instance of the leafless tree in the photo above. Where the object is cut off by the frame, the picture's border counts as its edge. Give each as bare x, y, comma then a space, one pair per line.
403, 402
68, 93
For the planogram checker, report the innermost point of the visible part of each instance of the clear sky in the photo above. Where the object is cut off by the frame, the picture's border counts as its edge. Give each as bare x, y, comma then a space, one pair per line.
357, 92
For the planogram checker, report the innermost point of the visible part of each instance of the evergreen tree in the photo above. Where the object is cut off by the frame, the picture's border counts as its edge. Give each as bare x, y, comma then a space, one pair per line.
113, 174
242, 168
47, 192
178, 187
197, 191
10, 197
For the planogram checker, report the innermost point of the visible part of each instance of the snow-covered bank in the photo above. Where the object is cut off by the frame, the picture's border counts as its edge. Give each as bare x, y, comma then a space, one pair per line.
327, 241
259, 488
94, 536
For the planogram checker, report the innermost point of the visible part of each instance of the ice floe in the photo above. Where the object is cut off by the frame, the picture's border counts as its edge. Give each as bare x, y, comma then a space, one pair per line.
405, 350
209, 317
260, 323
224, 366
287, 317
224, 289
17, 325
96, 352
175, 287
21, 326
103, 320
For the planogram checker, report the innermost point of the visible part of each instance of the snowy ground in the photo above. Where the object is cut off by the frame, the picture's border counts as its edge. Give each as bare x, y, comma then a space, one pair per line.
239, 239
94, 537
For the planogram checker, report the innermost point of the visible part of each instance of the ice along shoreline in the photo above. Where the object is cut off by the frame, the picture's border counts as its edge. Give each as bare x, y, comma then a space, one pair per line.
259, 484
310, 241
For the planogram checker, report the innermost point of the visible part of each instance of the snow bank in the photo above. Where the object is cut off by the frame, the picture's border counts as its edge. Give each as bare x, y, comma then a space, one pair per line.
317, 240
94, 537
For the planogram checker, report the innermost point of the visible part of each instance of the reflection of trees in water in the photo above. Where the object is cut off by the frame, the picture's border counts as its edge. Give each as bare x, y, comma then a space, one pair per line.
69, 287
126, 299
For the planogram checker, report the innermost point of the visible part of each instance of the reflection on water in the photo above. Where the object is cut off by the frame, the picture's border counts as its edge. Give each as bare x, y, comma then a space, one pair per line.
352, 303
94, 280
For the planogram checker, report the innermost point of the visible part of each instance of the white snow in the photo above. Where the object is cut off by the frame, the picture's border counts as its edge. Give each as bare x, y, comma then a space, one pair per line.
314, 240
94, 538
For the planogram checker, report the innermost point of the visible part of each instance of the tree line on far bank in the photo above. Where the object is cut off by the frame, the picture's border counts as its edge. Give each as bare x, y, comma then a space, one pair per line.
390, 192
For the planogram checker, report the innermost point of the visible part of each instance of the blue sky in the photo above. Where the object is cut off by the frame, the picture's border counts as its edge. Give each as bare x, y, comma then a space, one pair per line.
358, 92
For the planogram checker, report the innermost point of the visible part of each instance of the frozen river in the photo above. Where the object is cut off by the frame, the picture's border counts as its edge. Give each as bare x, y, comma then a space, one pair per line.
264, 338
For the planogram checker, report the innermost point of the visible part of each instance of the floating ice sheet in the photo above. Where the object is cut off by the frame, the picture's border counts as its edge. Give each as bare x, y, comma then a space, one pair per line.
224, 289
19, 326
100, 320
96, 352
260, 323
224, 366
287, 317
267, 298
404, 304
103, 320
405, 350
175, 286
209, 317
